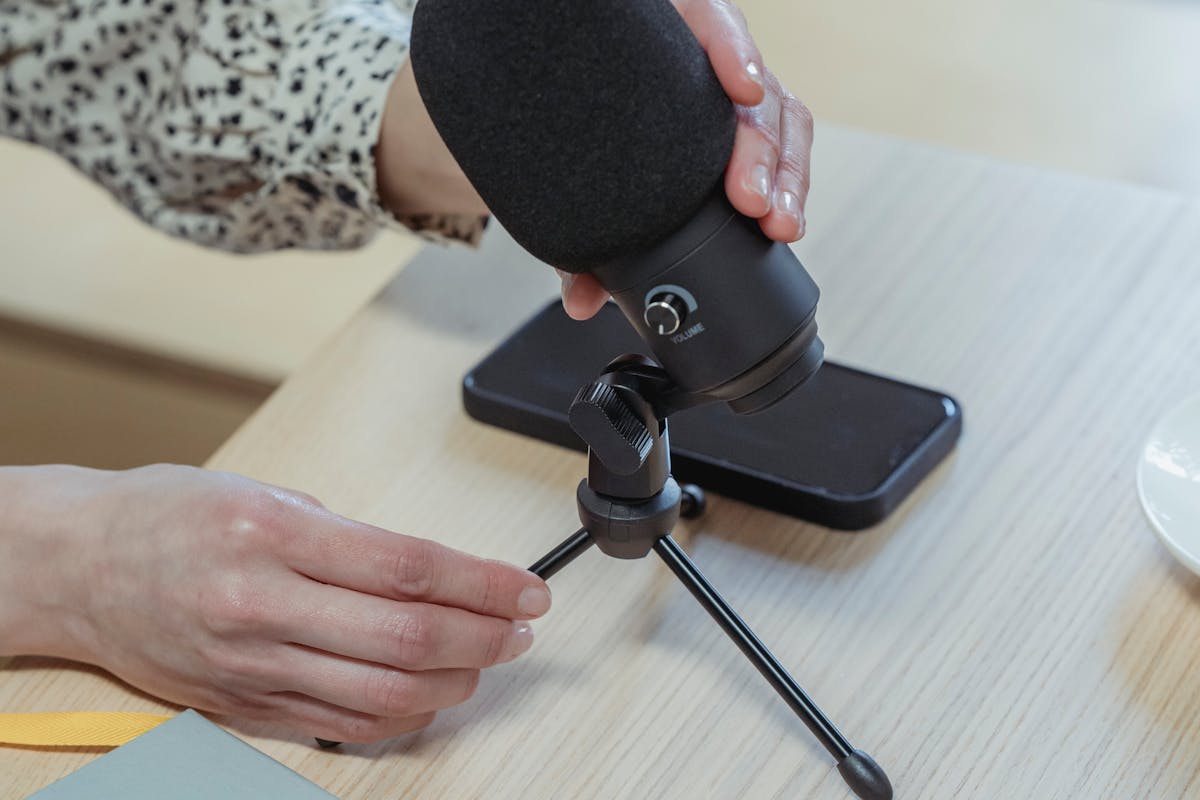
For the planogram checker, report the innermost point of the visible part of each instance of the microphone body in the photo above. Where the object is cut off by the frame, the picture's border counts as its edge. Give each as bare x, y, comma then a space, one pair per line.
729, 314
598, 135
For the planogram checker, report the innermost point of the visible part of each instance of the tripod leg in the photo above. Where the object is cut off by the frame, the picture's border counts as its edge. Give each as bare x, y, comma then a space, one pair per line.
563, 554
864, 776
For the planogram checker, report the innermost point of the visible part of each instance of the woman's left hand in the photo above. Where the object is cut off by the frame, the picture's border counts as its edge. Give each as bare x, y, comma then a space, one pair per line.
767, 177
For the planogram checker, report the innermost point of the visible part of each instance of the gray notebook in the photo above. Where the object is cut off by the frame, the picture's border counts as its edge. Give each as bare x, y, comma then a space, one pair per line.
185, 758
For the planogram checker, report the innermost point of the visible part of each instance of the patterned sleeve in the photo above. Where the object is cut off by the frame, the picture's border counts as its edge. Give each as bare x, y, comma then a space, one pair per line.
247, 125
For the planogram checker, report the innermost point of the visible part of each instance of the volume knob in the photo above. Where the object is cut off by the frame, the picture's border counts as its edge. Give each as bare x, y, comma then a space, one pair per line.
665, 313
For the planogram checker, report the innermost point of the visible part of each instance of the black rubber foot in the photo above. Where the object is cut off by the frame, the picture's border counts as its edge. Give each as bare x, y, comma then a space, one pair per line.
864, 777
327, 744
693, 503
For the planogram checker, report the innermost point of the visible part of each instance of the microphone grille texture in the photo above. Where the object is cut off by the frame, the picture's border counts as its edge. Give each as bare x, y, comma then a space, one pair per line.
593, 129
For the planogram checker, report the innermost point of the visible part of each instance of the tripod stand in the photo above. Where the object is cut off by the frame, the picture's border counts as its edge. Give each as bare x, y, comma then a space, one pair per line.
629, 505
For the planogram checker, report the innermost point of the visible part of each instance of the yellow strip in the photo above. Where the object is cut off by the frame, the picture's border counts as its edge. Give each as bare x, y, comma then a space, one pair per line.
76, 728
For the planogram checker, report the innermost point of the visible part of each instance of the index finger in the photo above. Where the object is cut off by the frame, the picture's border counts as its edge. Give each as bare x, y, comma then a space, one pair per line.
582, 295
367, 559
721, 29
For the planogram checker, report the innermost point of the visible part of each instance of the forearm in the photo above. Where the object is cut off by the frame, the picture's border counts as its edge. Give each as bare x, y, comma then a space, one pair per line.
47, 530
247, 128
417, 175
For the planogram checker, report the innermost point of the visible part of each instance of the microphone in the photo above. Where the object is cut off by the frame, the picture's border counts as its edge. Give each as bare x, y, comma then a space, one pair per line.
598, 135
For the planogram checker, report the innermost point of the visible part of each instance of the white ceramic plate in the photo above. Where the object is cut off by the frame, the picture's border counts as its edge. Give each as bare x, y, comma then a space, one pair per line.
1168, 480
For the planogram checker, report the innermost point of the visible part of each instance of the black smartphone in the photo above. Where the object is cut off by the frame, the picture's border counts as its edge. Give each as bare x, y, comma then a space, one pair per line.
842, 451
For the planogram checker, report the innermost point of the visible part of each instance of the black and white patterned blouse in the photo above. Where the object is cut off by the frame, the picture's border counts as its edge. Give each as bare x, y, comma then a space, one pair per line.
248, 125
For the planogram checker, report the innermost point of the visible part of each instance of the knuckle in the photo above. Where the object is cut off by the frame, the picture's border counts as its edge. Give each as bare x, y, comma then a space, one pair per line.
496, 644
231, 608
797, 111
773, 86
766, 130
250, 519
392, 694
412, 569
800, 176
796, 172
799, 182
769, 135
414, 639
361, 728
491, 585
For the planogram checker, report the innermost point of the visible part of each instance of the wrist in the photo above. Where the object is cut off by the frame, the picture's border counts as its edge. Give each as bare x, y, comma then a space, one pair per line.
415, 173
49, 536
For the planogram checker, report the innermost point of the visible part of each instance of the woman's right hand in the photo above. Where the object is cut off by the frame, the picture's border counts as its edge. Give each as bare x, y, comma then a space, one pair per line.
214, 591
768, 173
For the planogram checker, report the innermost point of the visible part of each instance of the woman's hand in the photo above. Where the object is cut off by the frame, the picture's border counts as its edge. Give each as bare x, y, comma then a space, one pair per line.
767, 178
211, 590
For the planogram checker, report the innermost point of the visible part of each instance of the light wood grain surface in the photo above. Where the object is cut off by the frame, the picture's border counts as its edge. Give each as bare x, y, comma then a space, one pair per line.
1013, 631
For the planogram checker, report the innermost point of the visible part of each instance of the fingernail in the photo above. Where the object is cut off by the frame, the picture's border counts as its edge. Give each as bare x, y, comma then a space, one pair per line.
534, 601
522, 640
803, 224
568, 280
789, 205
754, 72
760, 181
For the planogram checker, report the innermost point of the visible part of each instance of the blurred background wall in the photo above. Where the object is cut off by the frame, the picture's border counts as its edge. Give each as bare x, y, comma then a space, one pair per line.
120, 346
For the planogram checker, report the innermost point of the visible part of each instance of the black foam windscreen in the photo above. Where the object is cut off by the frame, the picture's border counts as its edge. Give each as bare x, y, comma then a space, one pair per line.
593, 129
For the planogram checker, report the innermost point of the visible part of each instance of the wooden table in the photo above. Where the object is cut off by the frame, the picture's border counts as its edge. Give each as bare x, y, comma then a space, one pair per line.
1013, 631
